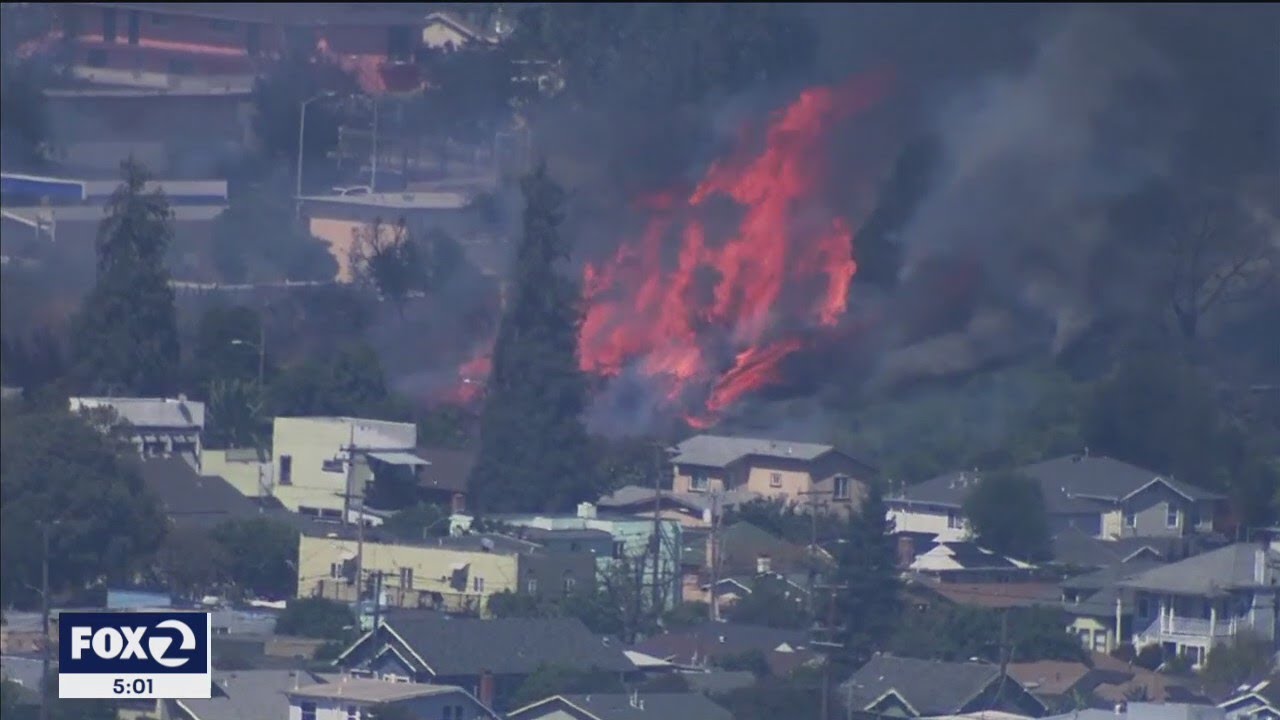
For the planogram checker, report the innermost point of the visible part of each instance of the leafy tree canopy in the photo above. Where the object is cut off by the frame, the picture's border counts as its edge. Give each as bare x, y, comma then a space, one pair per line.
551, 680
1024, 533
867, 602
773, 603
319, 618
54, 467
263, 554
259, 239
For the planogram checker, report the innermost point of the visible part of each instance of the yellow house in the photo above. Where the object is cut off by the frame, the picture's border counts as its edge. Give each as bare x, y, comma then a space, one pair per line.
800, 473
453, 574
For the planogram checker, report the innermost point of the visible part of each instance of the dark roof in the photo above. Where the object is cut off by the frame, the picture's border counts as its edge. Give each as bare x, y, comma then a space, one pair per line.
931, 687
449, 469
1077, 548
504, 646
1104, 478
1107, 576
711, 640
717, 682
1238, 566
1101, 604
742, 543
993, 594
189, 498
666, 706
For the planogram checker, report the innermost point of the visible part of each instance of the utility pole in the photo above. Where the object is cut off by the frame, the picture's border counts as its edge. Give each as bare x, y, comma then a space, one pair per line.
811, 499
714, 552
658, 477
373, 162
45, 644
825, 641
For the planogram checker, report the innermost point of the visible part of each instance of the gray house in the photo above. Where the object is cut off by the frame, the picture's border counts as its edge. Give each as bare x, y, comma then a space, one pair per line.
898, 687
1206, 600
620, 706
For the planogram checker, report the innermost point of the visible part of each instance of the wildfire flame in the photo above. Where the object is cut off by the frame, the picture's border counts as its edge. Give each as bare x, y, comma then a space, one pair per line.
710, 320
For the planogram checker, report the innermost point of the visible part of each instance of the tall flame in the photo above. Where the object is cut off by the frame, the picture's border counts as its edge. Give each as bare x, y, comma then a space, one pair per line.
667, 323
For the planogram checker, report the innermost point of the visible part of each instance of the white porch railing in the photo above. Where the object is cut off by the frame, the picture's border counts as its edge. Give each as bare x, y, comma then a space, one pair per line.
1183, 627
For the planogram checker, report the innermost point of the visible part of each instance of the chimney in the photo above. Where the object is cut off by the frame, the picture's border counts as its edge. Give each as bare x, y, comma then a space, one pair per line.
486, 689
763, 564
586, 511
906, 550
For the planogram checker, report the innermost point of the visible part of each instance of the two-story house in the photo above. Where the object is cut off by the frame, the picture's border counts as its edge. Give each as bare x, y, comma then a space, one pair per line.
1188, 607
453, 574
348, 698
797, 473
489, 658
1094, 495
154, 426
1101, 611
631, 541
321, 462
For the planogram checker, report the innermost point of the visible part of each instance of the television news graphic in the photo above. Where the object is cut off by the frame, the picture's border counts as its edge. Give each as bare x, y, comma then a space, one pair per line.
135, 655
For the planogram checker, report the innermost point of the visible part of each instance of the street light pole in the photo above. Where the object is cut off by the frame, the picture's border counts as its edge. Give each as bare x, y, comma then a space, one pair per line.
302, 130
45, 644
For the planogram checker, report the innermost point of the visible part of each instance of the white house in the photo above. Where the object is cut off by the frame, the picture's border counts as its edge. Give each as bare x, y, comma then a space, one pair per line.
349, 698
155, 426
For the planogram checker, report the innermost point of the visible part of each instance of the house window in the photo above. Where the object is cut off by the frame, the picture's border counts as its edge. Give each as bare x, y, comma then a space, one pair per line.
477, 584
698, 482
406, 578
308, 711
353, 712
109, 24
399, 43
1144, 607
954, 521
619, 549
1099, 641
1171, 516
775, 480
335, 570
568, 583
457, 712
1130, 520
531, 586
841, 488
333, 466
286, 469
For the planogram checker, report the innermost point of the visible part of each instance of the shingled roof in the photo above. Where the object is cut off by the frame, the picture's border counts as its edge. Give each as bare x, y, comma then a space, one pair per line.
620, 706
929, 687
504, 646
720, 450
189, 498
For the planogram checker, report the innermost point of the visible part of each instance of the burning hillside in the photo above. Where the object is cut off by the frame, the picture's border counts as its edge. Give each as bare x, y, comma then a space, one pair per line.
733, 275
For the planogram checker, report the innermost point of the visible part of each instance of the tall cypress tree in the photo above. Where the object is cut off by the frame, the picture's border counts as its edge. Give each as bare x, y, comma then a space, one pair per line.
125, 337
867, 601
532, 441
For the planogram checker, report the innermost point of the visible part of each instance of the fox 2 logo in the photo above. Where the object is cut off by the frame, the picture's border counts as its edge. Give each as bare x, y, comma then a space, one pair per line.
133, 642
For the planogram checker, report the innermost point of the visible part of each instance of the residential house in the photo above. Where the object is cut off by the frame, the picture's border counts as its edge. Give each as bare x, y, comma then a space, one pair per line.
731, 590
1075, 550
800, 473
692, 510
957, 560
711, 643
444, 481
1096, 604
446, 31
321, 461
749, 556
236, 695
1147, 711
889, 686
452, 574
489, 658
923, 592
249, 470
632, 542
20, 632
1101, 682
365, 699
623, 706
1096, 495
1260, 701
192, 500
1190, 606
155, 426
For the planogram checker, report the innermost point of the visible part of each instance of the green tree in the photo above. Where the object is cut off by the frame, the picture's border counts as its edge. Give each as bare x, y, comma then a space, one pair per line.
1245, 658
125, 336
191, 563
236, 415
686, 615
1023, 534
349, 381
225, 346
263, 555
318, 618
772, 697
277, 102
532, 439
54, 467
960, 632
774, 603
867, 602
418, 522
550, 680
390, 260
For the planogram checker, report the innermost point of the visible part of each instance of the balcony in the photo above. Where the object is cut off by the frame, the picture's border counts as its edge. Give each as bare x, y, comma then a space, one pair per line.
165, 82
1173, 629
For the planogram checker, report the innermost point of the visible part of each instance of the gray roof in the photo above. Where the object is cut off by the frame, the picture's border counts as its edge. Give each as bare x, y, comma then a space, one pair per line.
149, 412
664, 706
1104, 478
1075, 547
1101, 604
477, 542
1212, 573
932, 687
629, 495
719, 451
249, 693
505, 646
192, 499
715, 681
371, 690
1110, 575
951, 489
1148, 711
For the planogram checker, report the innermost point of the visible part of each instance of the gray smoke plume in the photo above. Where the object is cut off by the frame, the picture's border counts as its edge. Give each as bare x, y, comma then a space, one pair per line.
1032, 162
